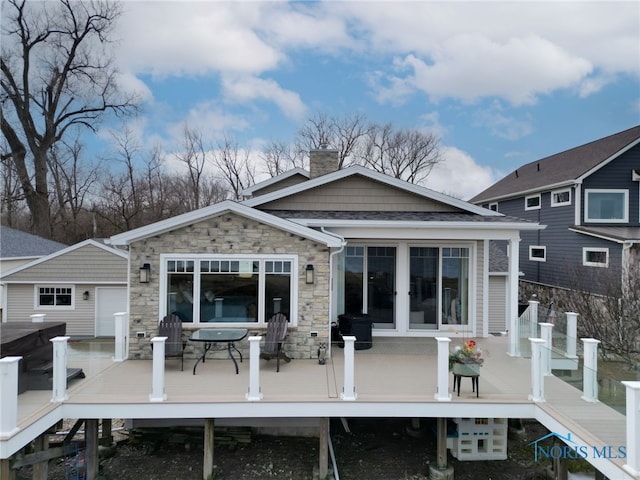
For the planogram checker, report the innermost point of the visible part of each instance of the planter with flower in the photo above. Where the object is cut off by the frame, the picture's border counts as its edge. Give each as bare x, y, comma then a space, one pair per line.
466, 360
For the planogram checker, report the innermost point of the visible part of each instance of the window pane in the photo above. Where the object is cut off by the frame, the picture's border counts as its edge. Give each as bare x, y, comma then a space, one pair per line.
455, 285
278, 295
353, 276
606, 205
229, 297
180, 295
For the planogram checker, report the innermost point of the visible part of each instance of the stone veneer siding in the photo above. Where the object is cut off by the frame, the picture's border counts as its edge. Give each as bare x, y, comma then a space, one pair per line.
231, 234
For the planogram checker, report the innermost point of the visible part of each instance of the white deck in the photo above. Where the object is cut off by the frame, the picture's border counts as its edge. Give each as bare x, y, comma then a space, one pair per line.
397, 377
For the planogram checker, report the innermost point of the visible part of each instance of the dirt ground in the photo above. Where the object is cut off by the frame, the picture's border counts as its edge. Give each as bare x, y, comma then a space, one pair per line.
374, 449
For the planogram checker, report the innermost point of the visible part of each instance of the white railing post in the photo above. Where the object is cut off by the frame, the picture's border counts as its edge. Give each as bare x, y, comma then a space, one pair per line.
533, 318
632, 464
537, 374
442, 394
254, 393
60, 350
157, 387
590, 370
9, 396
546, 333
38, 317
349, 389
572, 334
122, 335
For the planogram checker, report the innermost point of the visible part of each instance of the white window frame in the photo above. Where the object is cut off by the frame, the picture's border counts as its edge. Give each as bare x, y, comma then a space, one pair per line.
555, 203
625, 193
537, 259
535, 207
262, 321
493, 206
36, 297
586, 250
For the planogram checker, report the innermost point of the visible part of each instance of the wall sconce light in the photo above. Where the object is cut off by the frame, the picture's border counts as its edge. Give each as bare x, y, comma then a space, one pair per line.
309, 274
85, 295
145, 273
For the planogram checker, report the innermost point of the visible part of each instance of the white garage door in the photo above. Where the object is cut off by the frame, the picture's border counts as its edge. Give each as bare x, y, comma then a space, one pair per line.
109, 301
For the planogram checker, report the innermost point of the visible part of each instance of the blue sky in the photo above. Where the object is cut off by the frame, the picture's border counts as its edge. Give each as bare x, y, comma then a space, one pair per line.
501, 83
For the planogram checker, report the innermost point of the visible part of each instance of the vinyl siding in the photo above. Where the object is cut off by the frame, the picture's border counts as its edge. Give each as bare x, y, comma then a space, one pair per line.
498, 303
88, 264
357, 193
481, 291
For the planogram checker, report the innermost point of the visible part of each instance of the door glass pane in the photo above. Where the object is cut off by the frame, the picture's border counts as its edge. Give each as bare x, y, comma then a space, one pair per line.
381, 285
353, 276
423, 293
455, 286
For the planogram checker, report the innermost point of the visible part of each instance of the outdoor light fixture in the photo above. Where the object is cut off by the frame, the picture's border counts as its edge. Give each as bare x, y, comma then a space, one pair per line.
85, 295
309, 274
145, 273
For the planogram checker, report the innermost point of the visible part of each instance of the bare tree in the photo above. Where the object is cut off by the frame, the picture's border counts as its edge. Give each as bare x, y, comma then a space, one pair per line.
11, 200
194, 156
409, 155
340, 133
234, 165
280, 157
57, 75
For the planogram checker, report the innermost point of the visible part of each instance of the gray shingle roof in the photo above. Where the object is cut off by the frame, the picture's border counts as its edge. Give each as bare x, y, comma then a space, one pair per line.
15, 244
561, 167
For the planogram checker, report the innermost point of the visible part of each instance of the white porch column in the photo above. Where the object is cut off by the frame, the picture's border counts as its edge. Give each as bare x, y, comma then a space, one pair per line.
514, 333
9, 395
633, 428
537, 375
590, 370
38, 317
254, 392
122, 337
533, 318
572, 334
157, 385
60, 350
546, 333
442, 394
349, 388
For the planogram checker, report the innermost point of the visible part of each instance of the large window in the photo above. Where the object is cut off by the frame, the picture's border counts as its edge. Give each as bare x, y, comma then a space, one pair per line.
607, 206
230, 289
52, 297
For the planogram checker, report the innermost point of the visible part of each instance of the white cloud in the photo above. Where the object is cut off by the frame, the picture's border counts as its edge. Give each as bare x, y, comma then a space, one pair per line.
500, 124
459, 175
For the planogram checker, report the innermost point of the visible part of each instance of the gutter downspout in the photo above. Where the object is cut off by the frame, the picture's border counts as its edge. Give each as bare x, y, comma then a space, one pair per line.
343, 243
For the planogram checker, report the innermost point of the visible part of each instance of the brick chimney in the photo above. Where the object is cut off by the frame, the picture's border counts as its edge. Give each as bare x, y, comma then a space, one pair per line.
322, 161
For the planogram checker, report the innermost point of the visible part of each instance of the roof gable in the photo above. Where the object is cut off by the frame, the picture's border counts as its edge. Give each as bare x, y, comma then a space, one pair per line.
188, 218
337, 187
561, 169
288, 178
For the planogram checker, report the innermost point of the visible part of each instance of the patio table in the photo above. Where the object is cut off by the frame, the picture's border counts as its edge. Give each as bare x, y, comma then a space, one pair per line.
211, 336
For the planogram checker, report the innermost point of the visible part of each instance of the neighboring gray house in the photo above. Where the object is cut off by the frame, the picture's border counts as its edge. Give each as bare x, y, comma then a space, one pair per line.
82, 285
589, 199
350, 241
18, 247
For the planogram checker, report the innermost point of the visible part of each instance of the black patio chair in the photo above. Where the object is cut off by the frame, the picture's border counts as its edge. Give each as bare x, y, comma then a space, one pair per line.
276, 333
171, 327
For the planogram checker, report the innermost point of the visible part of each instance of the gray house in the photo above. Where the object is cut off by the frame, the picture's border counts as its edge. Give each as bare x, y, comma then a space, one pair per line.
82, 285
589, 199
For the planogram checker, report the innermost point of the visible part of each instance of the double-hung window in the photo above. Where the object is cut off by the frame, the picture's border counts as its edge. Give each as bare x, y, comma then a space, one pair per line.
54, 297
232, 289
606, 206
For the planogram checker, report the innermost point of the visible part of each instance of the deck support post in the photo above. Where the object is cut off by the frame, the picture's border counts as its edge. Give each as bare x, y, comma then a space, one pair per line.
254, 393
91, 445
157, 392
442, 393
323, 466
207, 468
537, 374
560, 464
546, 333
5, 469
533, 318
9, 395
441, 471
349, 388
59, 393
512, 300
572, 334
590, 370
633, 428
106, 437
41, 469
121, 337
